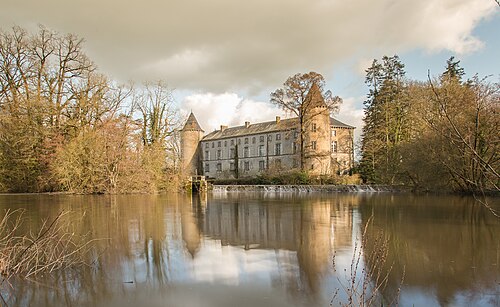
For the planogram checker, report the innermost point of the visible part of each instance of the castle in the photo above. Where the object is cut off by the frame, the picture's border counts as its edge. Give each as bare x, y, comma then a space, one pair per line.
246, 151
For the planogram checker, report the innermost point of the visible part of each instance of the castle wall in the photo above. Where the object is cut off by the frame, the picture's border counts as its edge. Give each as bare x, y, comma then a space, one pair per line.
190, 152
317, 144
342, 151
255, 153
249, 154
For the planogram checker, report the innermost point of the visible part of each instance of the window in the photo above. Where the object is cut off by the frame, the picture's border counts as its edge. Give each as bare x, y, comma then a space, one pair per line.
295, 134
206, 145
269, 137
246, 140
231, 153
313, 145
261, 165
277, 150
245, 152
294, 147
334, 132
213, 144
225, 143
239, 141
219, 167
278, 136
313, 127
261, 150
246, 166
219, 154
261, 138
218, 144
207, 155
231, 166
232, 142
334, 146
253, 140
207, 168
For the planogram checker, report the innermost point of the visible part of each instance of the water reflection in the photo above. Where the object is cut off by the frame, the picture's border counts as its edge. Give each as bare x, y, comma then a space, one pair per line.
449, 248
262, 249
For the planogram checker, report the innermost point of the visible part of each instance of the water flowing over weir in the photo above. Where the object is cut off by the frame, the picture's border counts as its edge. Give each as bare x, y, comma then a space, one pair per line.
306, 188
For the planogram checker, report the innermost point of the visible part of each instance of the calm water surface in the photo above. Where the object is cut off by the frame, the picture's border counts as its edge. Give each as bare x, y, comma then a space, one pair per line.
266, 250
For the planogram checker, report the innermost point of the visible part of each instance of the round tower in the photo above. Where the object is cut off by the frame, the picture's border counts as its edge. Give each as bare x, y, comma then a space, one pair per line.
317, 135
191, 135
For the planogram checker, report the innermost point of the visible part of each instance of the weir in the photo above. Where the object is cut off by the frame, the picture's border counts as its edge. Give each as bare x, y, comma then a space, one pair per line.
306, 188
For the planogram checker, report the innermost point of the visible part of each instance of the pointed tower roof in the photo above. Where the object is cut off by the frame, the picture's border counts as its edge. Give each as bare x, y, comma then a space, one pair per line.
314, 98
192, 124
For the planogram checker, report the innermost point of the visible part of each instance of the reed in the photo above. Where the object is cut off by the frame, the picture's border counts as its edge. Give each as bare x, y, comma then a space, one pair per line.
27, 254
363, 284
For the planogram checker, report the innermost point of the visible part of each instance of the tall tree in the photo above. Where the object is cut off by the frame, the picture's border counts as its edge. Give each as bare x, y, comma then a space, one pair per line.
65, 126
453, 71
464, 118
40, 78
159, 121
386, 120
293, 98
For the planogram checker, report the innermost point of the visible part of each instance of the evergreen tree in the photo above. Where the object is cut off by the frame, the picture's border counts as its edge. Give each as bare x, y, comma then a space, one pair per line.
386, 124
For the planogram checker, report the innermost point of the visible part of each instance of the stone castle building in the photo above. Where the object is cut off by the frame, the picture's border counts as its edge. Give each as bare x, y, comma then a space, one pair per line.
245, 151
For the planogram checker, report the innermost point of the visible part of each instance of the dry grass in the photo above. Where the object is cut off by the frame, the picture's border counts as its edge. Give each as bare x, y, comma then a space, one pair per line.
54, 246
365, 287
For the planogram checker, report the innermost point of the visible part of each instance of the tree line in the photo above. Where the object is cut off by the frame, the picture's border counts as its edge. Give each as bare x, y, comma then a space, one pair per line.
64, 126
439, 134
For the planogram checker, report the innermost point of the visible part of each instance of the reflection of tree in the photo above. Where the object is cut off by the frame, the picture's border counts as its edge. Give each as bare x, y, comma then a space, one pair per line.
446, 248
136, 235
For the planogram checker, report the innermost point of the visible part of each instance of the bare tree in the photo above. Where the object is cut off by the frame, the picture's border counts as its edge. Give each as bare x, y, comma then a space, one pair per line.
159, 118
296, 97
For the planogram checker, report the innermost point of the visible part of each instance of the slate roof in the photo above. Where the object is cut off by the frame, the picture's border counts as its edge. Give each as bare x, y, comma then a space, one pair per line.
192, 124
338, 124
265, 127
284, 124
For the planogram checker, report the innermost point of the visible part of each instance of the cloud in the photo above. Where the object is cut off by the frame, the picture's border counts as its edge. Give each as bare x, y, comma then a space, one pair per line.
351, 112
214, 110
223, 45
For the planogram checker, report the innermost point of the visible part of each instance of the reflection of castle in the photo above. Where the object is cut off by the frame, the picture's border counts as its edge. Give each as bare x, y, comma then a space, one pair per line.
253, 148
311, 229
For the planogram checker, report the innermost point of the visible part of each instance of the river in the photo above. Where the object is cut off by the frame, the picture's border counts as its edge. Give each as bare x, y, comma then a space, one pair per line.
267, 249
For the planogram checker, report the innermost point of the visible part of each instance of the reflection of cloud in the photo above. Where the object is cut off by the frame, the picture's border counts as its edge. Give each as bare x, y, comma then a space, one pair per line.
221, 45
233, 265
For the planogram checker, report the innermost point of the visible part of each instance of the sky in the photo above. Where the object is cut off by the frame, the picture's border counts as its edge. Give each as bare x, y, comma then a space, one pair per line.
223, 58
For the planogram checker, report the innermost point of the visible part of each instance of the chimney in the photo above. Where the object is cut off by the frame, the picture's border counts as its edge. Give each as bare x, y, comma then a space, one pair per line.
222, 128
247, 124
278, 119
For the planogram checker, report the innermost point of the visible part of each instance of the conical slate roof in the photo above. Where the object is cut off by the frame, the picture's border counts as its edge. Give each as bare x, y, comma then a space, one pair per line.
192, 124
314, 98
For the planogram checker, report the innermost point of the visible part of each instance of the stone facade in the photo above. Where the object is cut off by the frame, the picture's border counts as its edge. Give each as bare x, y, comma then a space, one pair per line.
191, 135
246, 151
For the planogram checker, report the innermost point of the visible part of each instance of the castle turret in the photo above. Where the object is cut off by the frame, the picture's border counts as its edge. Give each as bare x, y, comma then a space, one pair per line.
191, 136
317, 133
